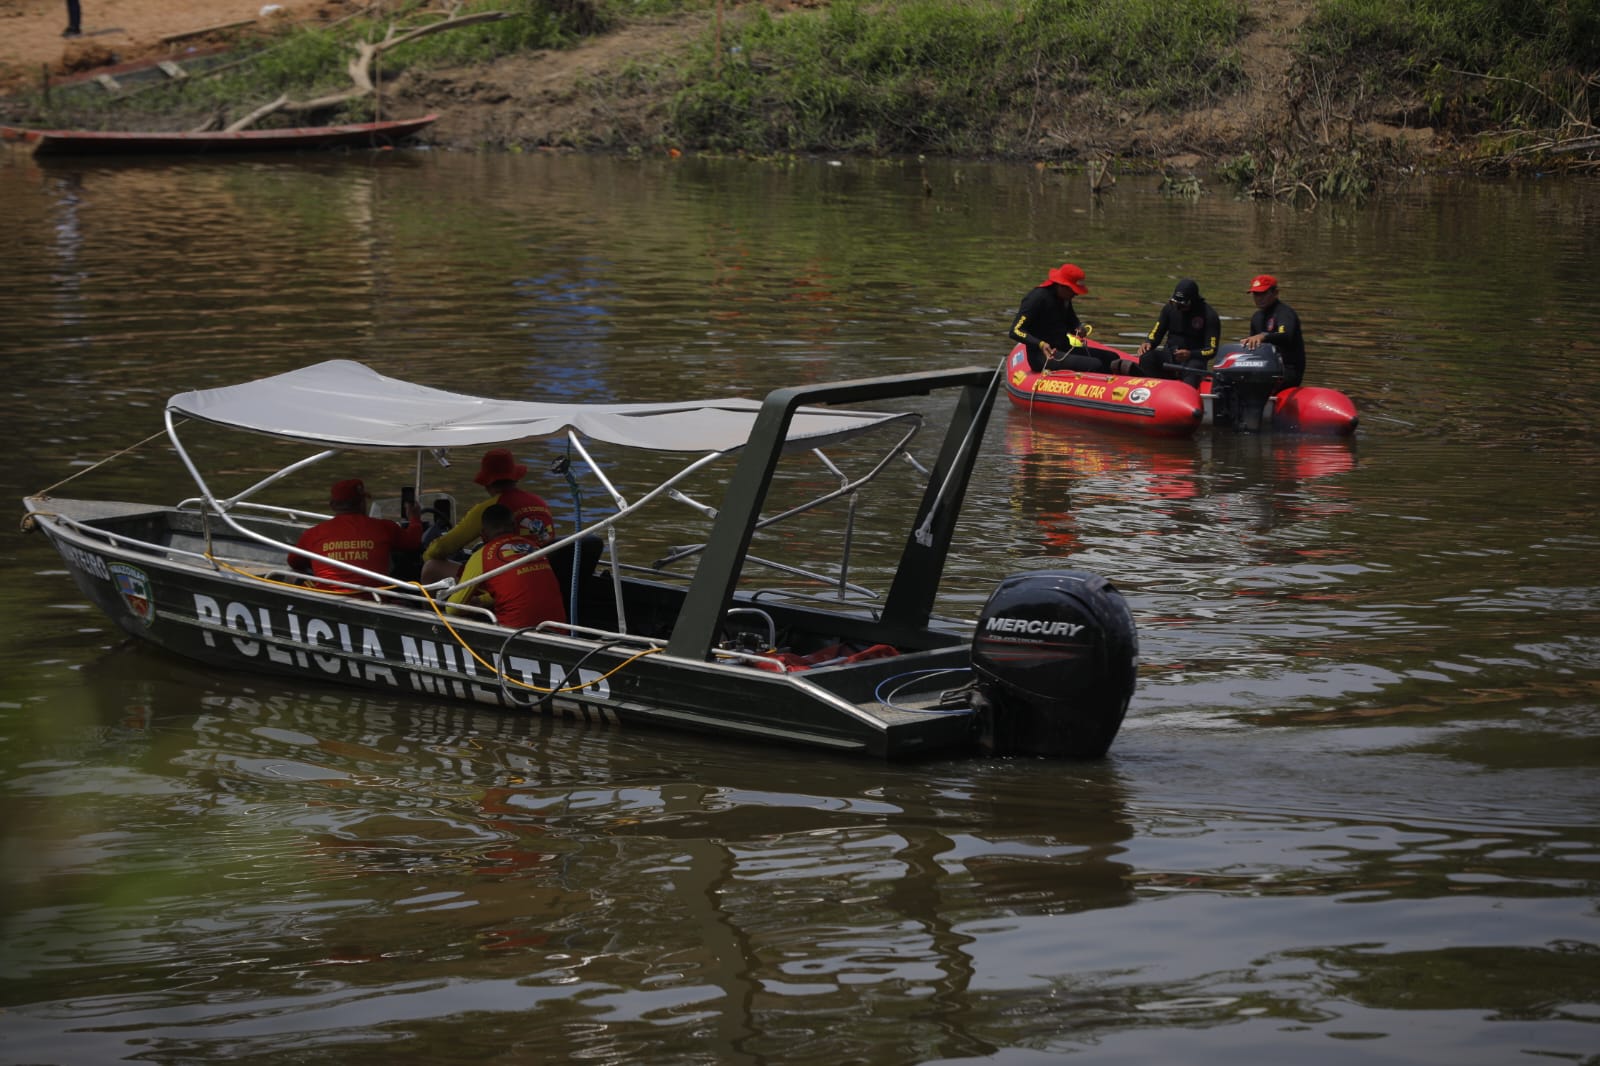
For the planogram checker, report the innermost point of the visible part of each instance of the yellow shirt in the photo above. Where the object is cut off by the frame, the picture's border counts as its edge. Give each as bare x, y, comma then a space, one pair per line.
532, 515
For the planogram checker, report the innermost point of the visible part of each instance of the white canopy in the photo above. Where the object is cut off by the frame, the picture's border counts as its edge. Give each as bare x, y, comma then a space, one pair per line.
344, 404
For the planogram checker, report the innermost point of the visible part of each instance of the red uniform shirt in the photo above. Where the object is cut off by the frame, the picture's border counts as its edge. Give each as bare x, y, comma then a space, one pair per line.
524, 595
358, 539
531, 514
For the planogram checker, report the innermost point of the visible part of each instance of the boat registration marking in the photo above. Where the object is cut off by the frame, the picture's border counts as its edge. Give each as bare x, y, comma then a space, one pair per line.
87, 561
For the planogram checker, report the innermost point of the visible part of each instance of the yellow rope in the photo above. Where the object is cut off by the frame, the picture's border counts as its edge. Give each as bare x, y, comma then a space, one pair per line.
1034, 391
220, 565
459, 639
103, 462
507, 677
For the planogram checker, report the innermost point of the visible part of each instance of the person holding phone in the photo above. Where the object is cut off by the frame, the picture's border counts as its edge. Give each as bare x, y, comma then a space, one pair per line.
356, 537
498, 473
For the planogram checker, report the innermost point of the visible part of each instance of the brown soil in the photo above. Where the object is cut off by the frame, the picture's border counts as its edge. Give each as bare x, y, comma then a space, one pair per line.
555, 97
121, 31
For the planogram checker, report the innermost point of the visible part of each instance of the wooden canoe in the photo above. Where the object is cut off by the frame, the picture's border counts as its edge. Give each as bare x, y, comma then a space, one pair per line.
117, 142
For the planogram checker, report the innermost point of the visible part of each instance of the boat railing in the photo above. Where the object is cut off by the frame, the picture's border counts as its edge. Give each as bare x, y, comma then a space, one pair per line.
772, 626
394, 594
656, 571
166, 552
830, 599
848, 487
209, 504
197, 505
670, 490
613, 637
123, 542
561, 629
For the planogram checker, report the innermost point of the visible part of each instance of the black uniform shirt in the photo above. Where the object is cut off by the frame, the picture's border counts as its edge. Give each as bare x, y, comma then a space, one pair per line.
1196, 327
1282, 327
1042, 317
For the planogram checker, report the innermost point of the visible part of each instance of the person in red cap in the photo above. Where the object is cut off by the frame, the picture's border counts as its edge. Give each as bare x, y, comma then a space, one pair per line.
498, 474
1275, 323
1049, 327
353, 536
522, 596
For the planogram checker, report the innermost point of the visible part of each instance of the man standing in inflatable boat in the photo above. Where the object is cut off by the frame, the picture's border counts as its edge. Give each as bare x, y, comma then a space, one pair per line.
1050, 328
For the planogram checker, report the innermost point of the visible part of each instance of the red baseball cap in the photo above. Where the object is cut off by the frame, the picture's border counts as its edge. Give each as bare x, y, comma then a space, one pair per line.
350, 490
1263, 282
499, 465
1069, 275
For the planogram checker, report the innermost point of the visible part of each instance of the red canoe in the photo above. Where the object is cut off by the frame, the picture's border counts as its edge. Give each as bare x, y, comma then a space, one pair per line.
113, 142
1161, 406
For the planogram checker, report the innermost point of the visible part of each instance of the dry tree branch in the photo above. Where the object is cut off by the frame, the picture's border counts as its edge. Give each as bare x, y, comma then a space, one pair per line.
360, 67
1564, 109
258, 114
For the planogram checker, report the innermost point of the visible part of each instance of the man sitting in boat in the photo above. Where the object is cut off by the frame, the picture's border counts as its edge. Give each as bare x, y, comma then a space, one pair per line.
1275, 323
356, 537
522, 596
1050, 328
1190, 329
498, 473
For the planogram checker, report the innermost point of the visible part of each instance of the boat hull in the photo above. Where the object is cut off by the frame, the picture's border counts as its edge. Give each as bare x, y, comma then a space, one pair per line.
231, 621
1314, 410
1164, 407
113, 142
1143, 405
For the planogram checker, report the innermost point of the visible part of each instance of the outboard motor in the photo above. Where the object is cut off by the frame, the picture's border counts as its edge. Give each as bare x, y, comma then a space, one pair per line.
1054, 660
1242, 381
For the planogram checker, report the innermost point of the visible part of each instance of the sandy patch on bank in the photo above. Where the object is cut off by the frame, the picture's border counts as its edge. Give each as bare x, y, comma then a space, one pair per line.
120, 31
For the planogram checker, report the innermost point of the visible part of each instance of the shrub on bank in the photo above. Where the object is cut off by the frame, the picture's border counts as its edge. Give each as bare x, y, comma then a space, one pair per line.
1015, 78
948, 76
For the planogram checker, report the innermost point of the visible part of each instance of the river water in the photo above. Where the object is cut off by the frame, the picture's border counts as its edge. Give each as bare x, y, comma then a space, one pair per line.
1353, 814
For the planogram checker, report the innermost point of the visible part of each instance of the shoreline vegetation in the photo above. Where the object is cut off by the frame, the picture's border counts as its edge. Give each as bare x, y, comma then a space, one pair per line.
1300, 100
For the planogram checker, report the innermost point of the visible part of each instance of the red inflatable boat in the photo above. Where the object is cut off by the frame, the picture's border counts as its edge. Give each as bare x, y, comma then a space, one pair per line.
1168, 407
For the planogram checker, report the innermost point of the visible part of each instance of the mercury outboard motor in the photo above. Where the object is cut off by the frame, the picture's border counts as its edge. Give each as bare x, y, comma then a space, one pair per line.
1054, 660
1242, 381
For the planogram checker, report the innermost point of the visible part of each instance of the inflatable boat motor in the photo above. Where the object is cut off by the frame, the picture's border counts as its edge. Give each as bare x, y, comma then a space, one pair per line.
1054, 660
1242, 381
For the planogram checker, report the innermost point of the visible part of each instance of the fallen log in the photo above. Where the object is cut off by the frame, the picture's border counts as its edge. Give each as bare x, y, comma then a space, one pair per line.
184, 35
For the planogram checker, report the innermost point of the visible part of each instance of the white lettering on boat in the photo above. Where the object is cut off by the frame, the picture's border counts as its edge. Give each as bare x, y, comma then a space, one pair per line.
88, 562
1034, 627
430, 667
238, 616
318, 631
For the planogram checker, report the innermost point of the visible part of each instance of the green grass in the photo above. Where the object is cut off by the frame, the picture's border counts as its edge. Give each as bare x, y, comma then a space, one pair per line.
950, 76
1470, 62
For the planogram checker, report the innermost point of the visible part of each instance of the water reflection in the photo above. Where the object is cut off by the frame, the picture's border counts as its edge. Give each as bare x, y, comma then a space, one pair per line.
456, 864
1260, 482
